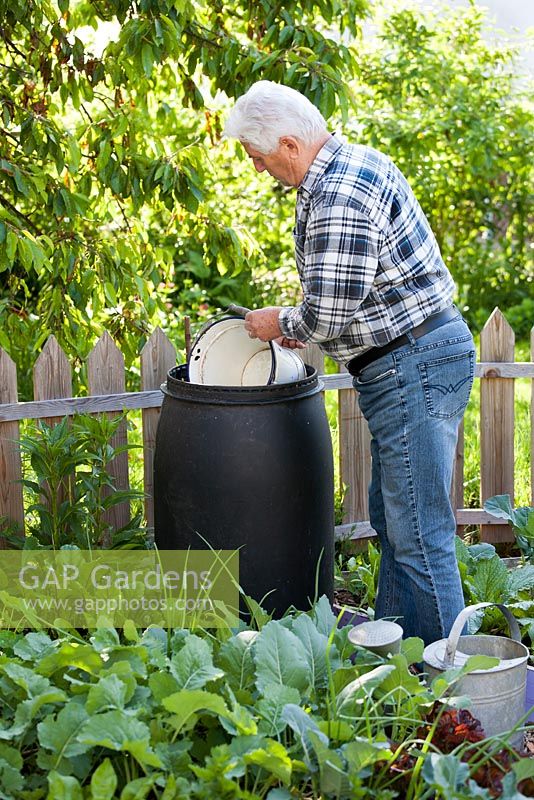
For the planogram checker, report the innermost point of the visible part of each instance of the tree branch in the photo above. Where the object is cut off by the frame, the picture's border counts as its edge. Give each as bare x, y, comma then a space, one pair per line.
7, 204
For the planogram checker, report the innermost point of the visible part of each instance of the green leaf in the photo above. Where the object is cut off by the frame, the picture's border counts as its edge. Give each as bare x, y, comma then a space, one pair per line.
520, 579
11, 763
333, 777
59, 734
192, 667
139, 788
315, 650
271, 705
523, 769
147, 59
489, 583
118, 730
323, 616
63, 787
273, 758
28, 680
103, 781
71, 654
347, 703
33, 646
412, 649
480, 662
235, 657
280, 658
451, 776
186, 703
11, 245
130, 631
362, 753
500, 506
109, 692
302, 725
162, 685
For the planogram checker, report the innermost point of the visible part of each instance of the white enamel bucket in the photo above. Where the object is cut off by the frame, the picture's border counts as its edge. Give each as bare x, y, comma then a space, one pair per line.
223, 354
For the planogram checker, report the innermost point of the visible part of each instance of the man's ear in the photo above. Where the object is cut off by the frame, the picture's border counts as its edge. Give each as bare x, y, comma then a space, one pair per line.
292, 145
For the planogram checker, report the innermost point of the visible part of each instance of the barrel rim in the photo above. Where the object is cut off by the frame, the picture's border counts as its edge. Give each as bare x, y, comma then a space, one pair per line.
178, 387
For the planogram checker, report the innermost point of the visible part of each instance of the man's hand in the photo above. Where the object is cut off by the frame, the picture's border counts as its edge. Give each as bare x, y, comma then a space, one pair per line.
292, 344
263, 323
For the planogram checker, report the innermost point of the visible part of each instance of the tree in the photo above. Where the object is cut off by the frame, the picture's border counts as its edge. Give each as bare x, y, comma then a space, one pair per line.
451, 110
107, 188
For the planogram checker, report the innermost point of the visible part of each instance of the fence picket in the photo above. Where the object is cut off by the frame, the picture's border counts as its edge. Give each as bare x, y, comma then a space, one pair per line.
354, 456
52, 375
52, 378
497, 342
457, 486
314, 356
105, 373
157, 357
11, 504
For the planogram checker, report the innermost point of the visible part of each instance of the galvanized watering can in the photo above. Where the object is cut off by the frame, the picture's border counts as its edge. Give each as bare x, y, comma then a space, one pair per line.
497, 694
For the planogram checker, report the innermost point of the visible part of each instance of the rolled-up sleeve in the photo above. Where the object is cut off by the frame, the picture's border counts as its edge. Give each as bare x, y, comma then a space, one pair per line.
339, 254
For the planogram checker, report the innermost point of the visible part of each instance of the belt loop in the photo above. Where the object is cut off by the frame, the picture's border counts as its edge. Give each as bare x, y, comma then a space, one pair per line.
411, 337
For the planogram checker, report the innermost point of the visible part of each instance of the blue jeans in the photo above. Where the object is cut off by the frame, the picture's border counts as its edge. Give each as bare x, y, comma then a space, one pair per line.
413, 399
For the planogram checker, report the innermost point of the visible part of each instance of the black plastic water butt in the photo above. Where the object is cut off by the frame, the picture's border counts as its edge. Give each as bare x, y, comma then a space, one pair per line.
249, 468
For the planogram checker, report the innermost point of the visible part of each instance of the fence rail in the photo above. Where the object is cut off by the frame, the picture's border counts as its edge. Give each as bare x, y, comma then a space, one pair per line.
52, 380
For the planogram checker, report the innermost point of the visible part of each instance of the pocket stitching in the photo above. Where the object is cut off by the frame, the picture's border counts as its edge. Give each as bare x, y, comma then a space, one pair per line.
427, 386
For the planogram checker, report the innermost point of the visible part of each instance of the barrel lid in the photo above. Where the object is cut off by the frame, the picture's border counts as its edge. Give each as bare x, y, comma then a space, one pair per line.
434, 656
179, 387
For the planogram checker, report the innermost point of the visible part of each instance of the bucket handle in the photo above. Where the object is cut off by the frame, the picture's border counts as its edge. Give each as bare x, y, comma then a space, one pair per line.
461, 619
239, 311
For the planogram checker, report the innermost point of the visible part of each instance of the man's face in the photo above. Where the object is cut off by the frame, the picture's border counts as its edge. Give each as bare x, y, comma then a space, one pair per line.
278, 164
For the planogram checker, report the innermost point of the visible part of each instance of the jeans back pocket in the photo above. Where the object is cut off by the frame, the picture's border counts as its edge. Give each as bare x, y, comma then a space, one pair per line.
447, 384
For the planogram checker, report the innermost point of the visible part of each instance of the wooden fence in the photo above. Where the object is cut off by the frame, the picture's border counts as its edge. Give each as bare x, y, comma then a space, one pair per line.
52, 380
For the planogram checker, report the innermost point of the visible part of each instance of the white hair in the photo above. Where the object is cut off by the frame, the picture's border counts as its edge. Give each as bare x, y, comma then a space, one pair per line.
270, 110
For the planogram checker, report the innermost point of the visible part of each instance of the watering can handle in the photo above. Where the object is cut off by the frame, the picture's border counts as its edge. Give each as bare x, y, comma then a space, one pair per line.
461, 619
239, 311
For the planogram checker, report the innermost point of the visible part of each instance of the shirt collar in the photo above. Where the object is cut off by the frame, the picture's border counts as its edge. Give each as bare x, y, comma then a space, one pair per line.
321, 161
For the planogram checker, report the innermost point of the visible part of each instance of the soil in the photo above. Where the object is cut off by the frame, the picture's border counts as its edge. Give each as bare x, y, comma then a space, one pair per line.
345, 598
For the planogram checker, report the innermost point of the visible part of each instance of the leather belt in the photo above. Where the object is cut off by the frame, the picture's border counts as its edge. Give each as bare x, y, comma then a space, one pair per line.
432, 322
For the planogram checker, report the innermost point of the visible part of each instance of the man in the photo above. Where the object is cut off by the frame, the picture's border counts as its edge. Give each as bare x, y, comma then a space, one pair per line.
377, 297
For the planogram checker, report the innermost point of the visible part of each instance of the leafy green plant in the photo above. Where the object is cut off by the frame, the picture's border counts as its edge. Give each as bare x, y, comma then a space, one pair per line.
486, 578
270, 714
521, 519
358, 575
71, 490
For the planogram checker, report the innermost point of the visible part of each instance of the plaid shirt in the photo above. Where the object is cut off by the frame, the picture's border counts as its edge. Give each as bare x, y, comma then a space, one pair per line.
368, 262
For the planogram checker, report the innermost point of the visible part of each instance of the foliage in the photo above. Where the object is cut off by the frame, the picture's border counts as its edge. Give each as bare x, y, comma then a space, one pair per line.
358, 575
487, 579
521, 519
71, 488
120, 209
109, 196
448, 106
278, 712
